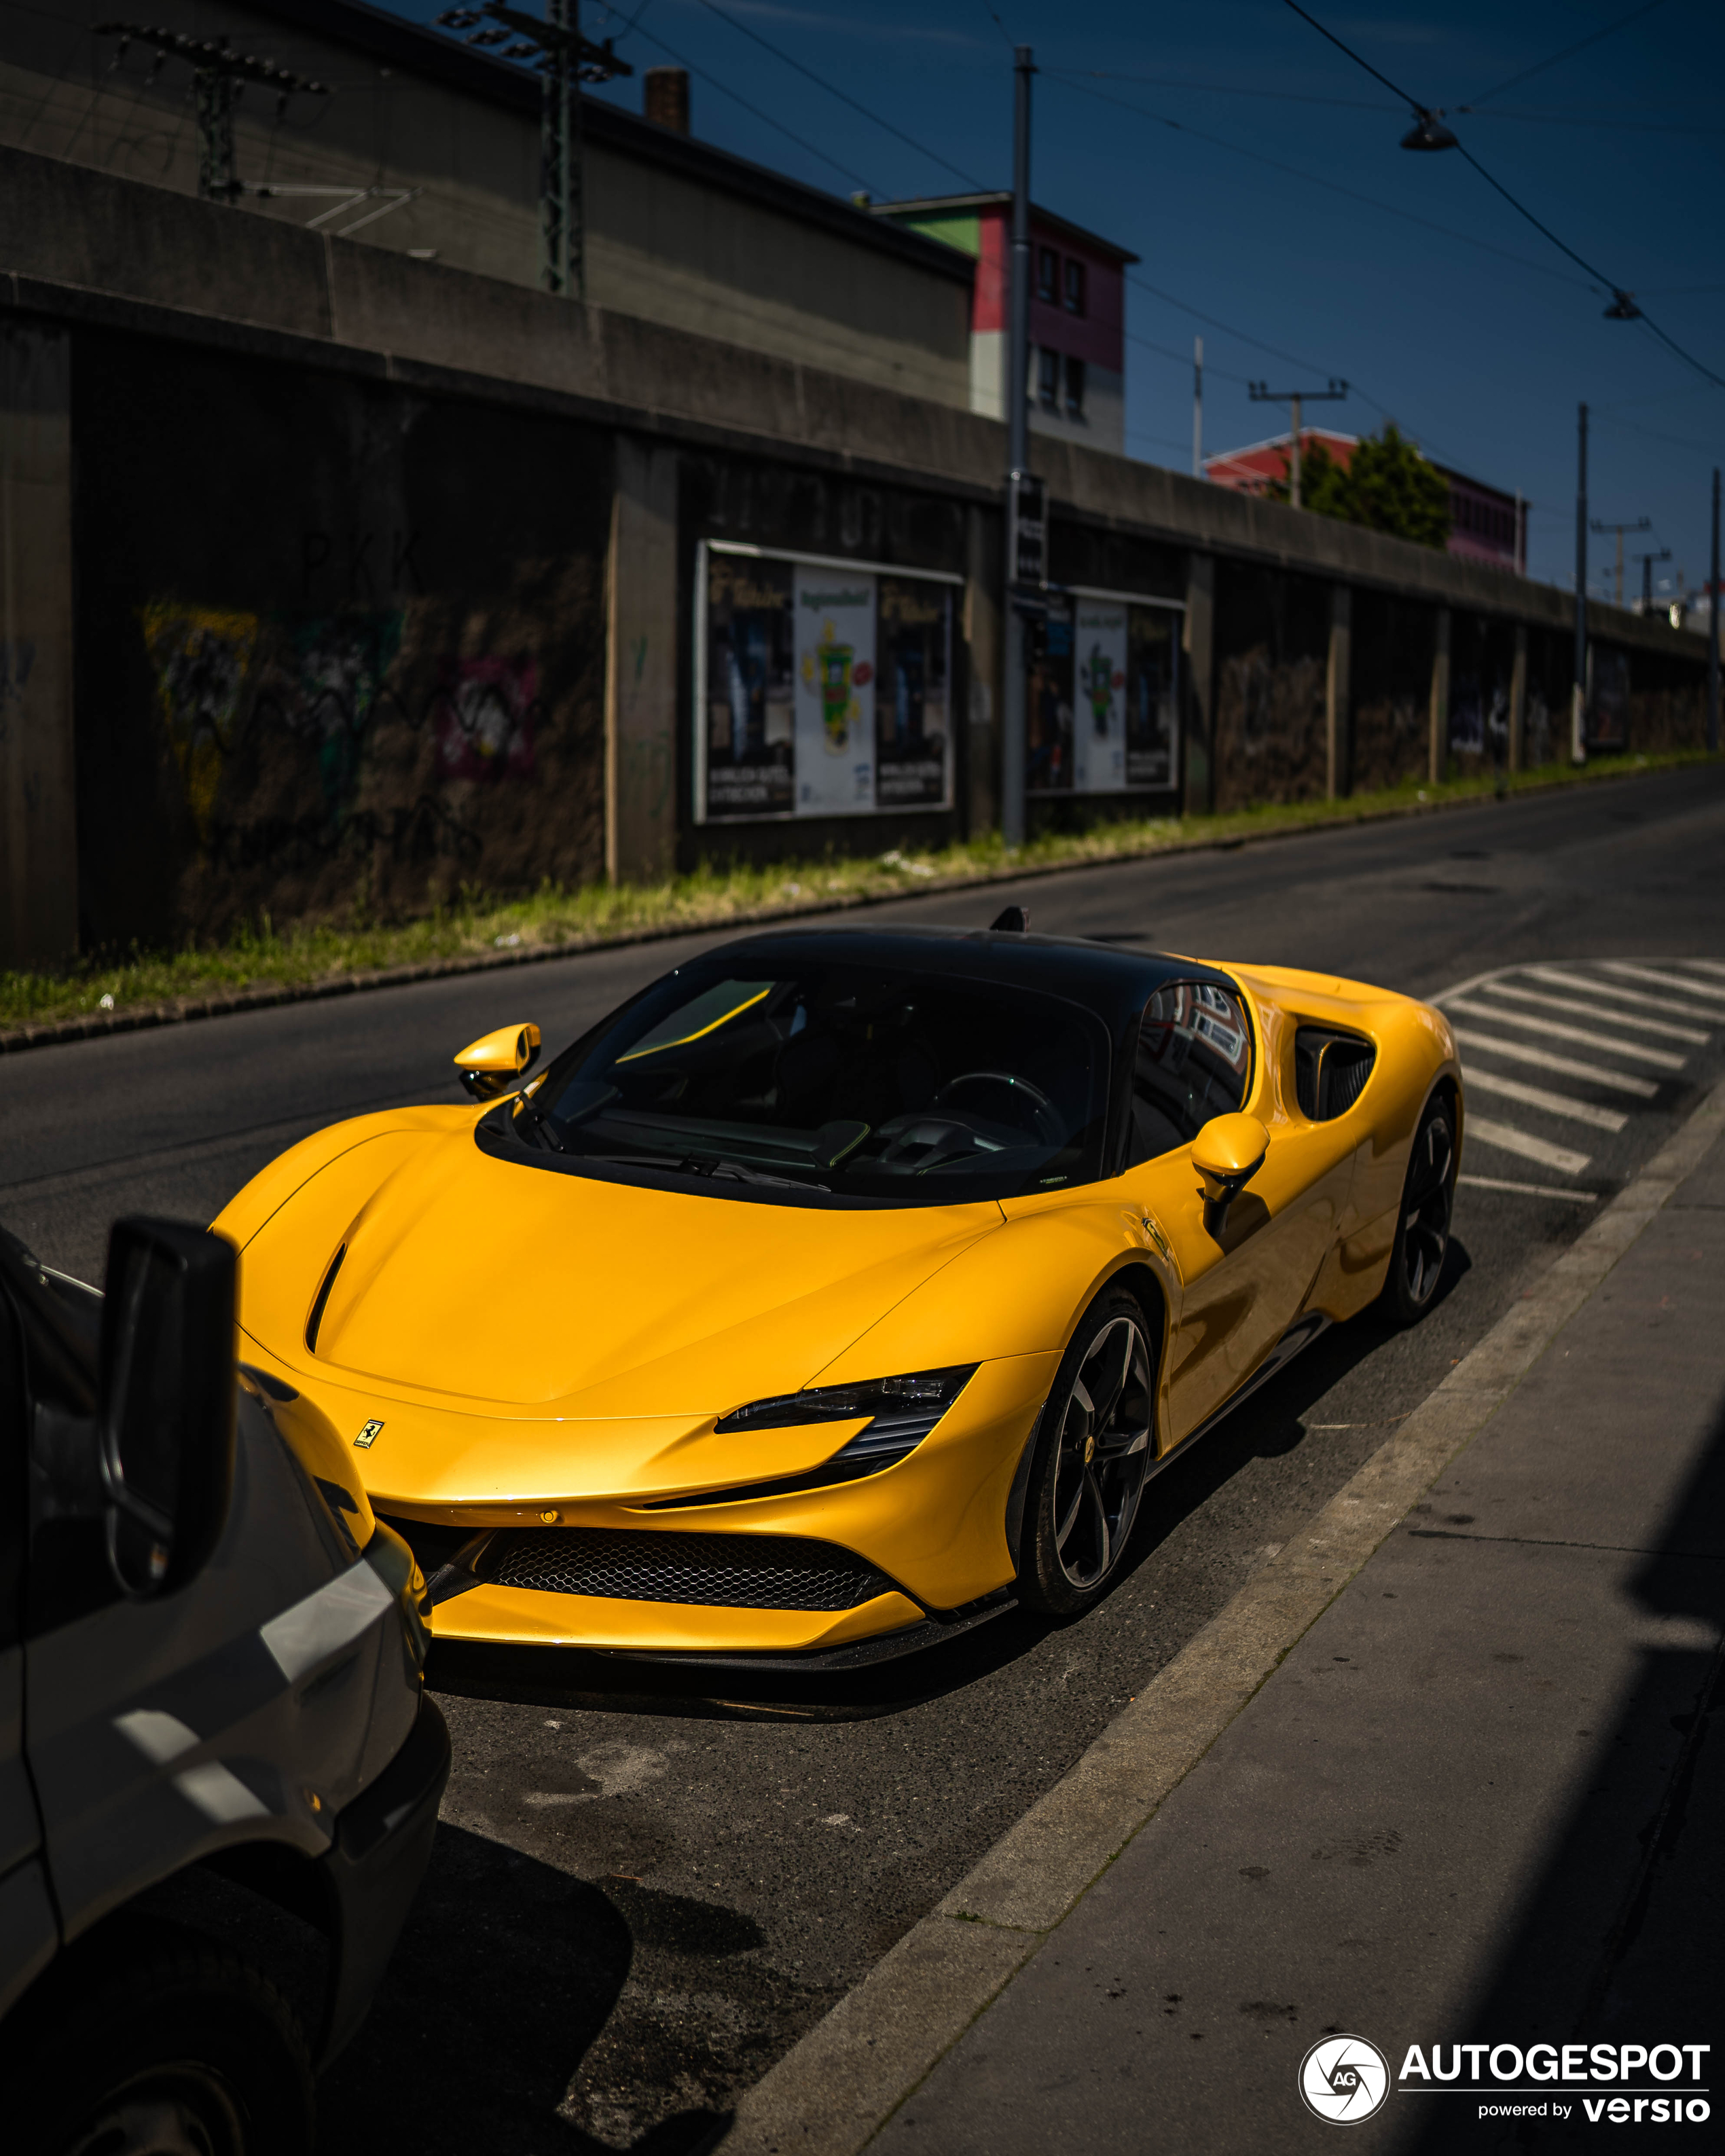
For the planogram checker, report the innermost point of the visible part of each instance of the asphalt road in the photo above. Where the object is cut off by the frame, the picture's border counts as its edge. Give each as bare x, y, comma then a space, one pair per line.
643, 1894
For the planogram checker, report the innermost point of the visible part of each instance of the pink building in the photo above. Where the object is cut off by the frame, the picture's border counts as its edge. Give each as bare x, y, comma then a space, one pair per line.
1485, 524
1077, 313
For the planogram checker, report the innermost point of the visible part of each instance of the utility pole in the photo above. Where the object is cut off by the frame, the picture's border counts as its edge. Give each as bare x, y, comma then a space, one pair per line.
1577, 695
1198, 408
1026, 508
1641, 524
1647, 562
1714, 632
566, 60
1296, 400
219, 75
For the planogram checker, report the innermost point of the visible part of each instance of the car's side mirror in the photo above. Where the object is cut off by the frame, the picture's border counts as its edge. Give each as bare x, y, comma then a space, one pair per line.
165, 1399
1227, 1152
491, 1065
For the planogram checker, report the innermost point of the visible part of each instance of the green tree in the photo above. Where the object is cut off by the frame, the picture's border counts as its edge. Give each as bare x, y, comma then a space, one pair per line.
1387, 487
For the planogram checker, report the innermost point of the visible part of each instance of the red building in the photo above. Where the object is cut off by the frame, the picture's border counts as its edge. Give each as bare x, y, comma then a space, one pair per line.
1485, 524
1077, 313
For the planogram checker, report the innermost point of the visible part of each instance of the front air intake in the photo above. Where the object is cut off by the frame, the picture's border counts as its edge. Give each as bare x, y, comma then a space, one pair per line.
725, 1572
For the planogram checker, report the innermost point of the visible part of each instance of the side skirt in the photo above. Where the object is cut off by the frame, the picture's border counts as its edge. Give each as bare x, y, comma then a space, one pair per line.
1299, 1335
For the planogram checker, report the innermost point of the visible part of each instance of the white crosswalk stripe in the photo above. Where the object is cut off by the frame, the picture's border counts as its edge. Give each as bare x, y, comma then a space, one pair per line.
1537, 1096
1542, 1059
1553, 1030
1482, 1130
1596, 1011
1579, 1021
1689, 986
1618, 993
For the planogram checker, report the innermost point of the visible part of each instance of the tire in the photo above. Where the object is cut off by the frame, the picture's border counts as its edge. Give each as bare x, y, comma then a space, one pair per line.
1422, 1227
1092, 1454
160, 2045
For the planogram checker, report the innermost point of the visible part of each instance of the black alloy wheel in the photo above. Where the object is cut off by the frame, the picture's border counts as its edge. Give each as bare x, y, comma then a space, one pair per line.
1422, 1230
1093, 1451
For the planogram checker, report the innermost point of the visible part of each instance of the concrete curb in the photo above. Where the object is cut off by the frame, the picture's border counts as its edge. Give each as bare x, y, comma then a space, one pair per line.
187, 1010
836, 2088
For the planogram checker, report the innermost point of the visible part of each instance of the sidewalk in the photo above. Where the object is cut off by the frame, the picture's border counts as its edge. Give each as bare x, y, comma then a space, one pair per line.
1474, 1804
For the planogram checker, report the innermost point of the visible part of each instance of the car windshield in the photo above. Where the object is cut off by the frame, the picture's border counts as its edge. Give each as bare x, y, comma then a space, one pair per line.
868, 1081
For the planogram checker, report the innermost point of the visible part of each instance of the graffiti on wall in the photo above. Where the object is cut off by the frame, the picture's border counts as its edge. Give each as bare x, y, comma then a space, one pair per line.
224, 678
485, 717
201, 657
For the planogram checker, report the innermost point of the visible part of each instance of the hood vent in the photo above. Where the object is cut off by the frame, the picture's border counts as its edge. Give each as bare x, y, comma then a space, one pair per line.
323, 1296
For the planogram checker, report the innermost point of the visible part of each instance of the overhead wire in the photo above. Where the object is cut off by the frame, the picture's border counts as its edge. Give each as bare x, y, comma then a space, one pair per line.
842, 96
1568, 52
1622, 298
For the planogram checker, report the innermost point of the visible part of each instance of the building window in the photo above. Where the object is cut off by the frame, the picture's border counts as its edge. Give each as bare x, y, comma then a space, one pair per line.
1048, 275
1048, 378
1075, 287
1074, 389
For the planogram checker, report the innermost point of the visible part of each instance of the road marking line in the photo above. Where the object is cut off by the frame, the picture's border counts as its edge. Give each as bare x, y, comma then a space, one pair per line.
1662, 1057
1610, 989
1597, 1010
1505, 1138
1707, 965
1516, 1051
1525, 1190
1548, 1103
833, 2091
1689, 986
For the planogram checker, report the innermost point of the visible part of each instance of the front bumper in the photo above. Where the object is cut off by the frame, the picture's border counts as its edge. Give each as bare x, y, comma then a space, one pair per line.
930, 1532
373, 1867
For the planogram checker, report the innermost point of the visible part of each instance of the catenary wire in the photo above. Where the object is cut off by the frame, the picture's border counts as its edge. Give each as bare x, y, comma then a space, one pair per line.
842, 96
1568, 52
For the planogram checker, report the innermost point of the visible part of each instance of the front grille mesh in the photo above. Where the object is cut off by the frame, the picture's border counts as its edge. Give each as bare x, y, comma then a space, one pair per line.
728, 1572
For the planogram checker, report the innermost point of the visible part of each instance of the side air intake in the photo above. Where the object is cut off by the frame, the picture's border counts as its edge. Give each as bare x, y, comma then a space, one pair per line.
1330, 1071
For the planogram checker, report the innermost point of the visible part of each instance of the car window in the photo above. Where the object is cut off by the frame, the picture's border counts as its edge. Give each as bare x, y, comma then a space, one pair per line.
874, 1082
1194, 1061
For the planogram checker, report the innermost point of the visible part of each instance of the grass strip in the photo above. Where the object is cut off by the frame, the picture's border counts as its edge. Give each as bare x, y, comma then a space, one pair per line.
261, 957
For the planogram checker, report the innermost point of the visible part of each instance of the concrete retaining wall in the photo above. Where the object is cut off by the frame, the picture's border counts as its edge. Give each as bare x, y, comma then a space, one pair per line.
382, 581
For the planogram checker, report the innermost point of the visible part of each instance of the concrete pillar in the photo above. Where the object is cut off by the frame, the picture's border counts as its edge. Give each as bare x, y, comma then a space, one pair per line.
1518, 699
641, 702
1438, 761
1197, 643
980, 774
1338, 706
39, 825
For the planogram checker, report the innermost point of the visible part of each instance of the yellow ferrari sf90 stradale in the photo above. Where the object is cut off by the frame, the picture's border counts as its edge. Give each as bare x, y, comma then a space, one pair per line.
846, 1287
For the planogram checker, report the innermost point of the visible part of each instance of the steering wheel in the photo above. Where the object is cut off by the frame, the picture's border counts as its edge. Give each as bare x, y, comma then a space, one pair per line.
1044, 1116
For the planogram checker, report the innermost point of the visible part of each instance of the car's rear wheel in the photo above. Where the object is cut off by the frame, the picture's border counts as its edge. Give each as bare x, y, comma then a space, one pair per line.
169, 2046
1422, 1227
1092, 1454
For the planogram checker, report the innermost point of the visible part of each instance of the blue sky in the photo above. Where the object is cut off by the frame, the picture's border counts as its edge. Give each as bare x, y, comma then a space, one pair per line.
1256, 171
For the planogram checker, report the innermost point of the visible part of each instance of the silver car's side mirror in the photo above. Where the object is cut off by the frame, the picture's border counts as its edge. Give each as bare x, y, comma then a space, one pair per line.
166, 1405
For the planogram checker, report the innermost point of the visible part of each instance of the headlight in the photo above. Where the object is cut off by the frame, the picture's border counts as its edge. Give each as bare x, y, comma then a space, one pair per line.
902, 1412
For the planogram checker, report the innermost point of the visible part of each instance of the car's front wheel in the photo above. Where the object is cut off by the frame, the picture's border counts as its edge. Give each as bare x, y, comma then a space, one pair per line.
1093, 1449
1422, 1228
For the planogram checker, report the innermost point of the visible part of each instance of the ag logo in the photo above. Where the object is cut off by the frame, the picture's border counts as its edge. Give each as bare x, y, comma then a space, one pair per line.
1344, 2079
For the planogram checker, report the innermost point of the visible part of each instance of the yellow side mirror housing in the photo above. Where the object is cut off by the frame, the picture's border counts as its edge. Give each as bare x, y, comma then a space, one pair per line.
1227, 1152
491, 1065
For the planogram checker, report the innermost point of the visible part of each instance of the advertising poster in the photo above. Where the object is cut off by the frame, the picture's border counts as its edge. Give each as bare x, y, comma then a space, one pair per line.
1099, 707
834, 680
1048, 707
1153, 703
912, 693
750, 707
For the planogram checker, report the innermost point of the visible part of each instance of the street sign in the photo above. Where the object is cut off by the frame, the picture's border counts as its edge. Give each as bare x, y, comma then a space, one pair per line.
1027, 535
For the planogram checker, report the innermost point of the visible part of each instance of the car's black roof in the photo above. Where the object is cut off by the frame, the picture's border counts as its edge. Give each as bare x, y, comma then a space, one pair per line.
1115, 984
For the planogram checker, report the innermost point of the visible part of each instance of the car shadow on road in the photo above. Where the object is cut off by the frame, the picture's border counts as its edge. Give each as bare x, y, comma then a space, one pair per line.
1267, 1426
505, 1974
